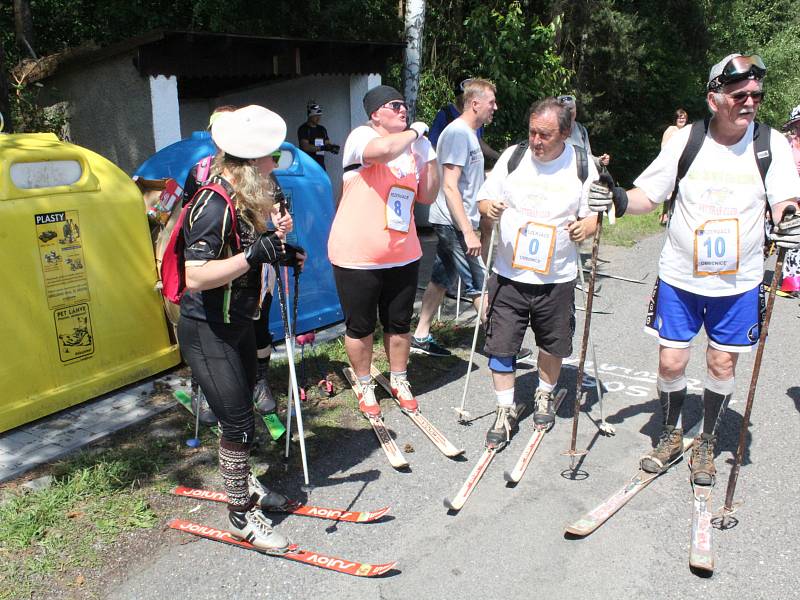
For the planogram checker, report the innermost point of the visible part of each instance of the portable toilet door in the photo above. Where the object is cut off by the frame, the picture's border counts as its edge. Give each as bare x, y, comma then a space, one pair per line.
83, 315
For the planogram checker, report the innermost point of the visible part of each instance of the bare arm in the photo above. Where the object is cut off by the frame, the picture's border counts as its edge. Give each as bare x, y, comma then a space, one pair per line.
777, 210
215, 273
455, 204
639, 203
428, 183
386, 148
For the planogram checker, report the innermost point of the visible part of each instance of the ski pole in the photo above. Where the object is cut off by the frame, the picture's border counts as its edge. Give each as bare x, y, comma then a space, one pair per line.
294, 396
587, 323
605, 427
729, 509
462, 414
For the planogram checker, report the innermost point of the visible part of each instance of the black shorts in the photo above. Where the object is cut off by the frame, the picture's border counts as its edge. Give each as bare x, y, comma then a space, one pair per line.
389, 292
548, 308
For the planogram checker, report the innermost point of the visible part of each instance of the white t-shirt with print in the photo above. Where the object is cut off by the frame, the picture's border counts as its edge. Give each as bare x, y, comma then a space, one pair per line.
542, 198
715, 237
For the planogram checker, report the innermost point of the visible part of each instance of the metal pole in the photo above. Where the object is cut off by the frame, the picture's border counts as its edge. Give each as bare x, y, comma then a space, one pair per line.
462, 414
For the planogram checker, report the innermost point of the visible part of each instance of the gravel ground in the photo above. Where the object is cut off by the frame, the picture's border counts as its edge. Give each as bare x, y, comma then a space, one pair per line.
509, 542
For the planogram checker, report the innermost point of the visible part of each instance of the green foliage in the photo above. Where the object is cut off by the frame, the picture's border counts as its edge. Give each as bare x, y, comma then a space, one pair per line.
521, 62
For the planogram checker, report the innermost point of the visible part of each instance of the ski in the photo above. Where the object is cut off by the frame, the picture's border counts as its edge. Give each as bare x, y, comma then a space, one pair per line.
185, 400
295, 553
599, 515
472, 481
396, 458
643, 280
701, 553
437, 437
524, 460
293, 507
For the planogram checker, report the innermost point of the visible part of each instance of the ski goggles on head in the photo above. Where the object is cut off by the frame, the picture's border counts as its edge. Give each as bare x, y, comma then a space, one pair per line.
566, 100
738, 69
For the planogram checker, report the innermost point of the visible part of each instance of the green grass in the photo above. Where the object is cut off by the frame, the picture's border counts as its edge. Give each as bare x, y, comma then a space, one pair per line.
93, 498
631, 228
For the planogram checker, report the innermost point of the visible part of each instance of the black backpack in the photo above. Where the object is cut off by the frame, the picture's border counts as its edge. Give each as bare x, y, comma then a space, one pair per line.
581, 160
761, 149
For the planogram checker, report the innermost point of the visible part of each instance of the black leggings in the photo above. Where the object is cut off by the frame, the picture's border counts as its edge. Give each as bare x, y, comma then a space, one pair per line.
223, 360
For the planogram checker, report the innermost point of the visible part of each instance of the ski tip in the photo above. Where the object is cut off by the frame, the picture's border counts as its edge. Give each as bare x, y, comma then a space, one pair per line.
377, 514
509, 477
449, 505
575, 532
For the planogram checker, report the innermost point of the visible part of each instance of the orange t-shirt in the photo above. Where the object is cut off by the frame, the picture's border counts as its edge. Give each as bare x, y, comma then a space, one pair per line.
374, 223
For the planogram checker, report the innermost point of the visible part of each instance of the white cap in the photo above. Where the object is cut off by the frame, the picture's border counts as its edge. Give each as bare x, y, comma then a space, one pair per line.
717, 69
250, 132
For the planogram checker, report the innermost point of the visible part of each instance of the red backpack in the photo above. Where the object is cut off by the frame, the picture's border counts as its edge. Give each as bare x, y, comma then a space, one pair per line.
173, 276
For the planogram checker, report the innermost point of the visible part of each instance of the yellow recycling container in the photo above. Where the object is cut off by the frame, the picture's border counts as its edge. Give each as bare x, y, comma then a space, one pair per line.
80, 314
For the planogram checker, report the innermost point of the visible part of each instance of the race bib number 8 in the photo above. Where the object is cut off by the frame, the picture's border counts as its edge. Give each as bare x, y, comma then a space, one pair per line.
398, 208
716, 248
533, 249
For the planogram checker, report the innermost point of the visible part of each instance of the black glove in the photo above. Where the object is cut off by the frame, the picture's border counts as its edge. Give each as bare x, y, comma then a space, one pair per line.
332, 148
603, 192
290, 256
268, 248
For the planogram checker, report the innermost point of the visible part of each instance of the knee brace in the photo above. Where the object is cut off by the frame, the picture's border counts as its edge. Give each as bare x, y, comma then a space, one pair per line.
503, 364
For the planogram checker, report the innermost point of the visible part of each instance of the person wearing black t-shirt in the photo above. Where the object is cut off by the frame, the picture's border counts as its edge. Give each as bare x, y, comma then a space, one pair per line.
313, 137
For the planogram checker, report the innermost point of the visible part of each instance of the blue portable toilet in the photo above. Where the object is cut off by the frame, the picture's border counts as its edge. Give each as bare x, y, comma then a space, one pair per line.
310, 197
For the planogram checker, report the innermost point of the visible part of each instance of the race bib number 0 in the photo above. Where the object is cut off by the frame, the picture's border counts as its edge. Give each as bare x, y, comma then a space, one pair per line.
716, 248
398, 208
533, 249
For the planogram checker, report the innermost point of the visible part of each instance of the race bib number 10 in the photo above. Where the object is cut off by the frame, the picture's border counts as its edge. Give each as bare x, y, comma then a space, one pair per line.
398, 208
533, 249
716, 248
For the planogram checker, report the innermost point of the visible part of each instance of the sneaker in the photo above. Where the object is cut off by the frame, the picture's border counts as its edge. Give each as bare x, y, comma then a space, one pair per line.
401, 389
263, 400
428, 346
367, 403
544, 415
265, 498
254, 527
668, 449
523, 353
702, 461
505, 423
199, 402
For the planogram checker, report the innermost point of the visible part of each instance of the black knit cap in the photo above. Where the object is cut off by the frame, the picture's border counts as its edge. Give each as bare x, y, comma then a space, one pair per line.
378, 96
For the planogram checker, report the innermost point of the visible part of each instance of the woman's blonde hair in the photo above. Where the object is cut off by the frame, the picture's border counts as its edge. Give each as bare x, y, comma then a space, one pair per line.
255, 193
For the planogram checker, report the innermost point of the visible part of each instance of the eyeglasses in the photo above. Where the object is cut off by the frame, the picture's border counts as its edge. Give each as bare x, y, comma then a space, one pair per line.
276, 156
396, 106
739, 68
738, 97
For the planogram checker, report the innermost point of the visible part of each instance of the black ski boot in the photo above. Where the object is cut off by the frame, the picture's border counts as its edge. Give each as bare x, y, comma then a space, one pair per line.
668, 449
262, 394
199, 402
702, 461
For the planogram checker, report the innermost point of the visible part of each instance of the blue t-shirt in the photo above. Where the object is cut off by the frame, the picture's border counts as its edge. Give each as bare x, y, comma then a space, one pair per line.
443, 118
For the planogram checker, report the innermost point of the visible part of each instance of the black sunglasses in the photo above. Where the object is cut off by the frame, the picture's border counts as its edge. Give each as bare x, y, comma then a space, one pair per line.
757, 96
396, 106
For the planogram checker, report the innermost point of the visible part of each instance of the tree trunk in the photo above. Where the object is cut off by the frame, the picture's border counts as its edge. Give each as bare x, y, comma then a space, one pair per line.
415, 22
5, 105
23, 27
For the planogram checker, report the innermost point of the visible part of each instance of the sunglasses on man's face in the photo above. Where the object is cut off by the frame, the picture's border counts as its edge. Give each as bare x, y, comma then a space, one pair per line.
396, 106
739, 97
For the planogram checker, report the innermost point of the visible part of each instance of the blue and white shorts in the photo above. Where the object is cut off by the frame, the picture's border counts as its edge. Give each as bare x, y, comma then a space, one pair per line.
732, 323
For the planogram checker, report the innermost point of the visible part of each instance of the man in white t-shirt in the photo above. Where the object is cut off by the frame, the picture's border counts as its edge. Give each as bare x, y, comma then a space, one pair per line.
541, 205
454, 216
712, 266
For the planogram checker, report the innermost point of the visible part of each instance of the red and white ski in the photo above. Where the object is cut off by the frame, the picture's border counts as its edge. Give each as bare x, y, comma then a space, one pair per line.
293, 507
437, 437
317, 559
602, 513
472, 480
524, 459
396, 458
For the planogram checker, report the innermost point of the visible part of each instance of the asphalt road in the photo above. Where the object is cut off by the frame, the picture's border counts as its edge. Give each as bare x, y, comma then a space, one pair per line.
509, 542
